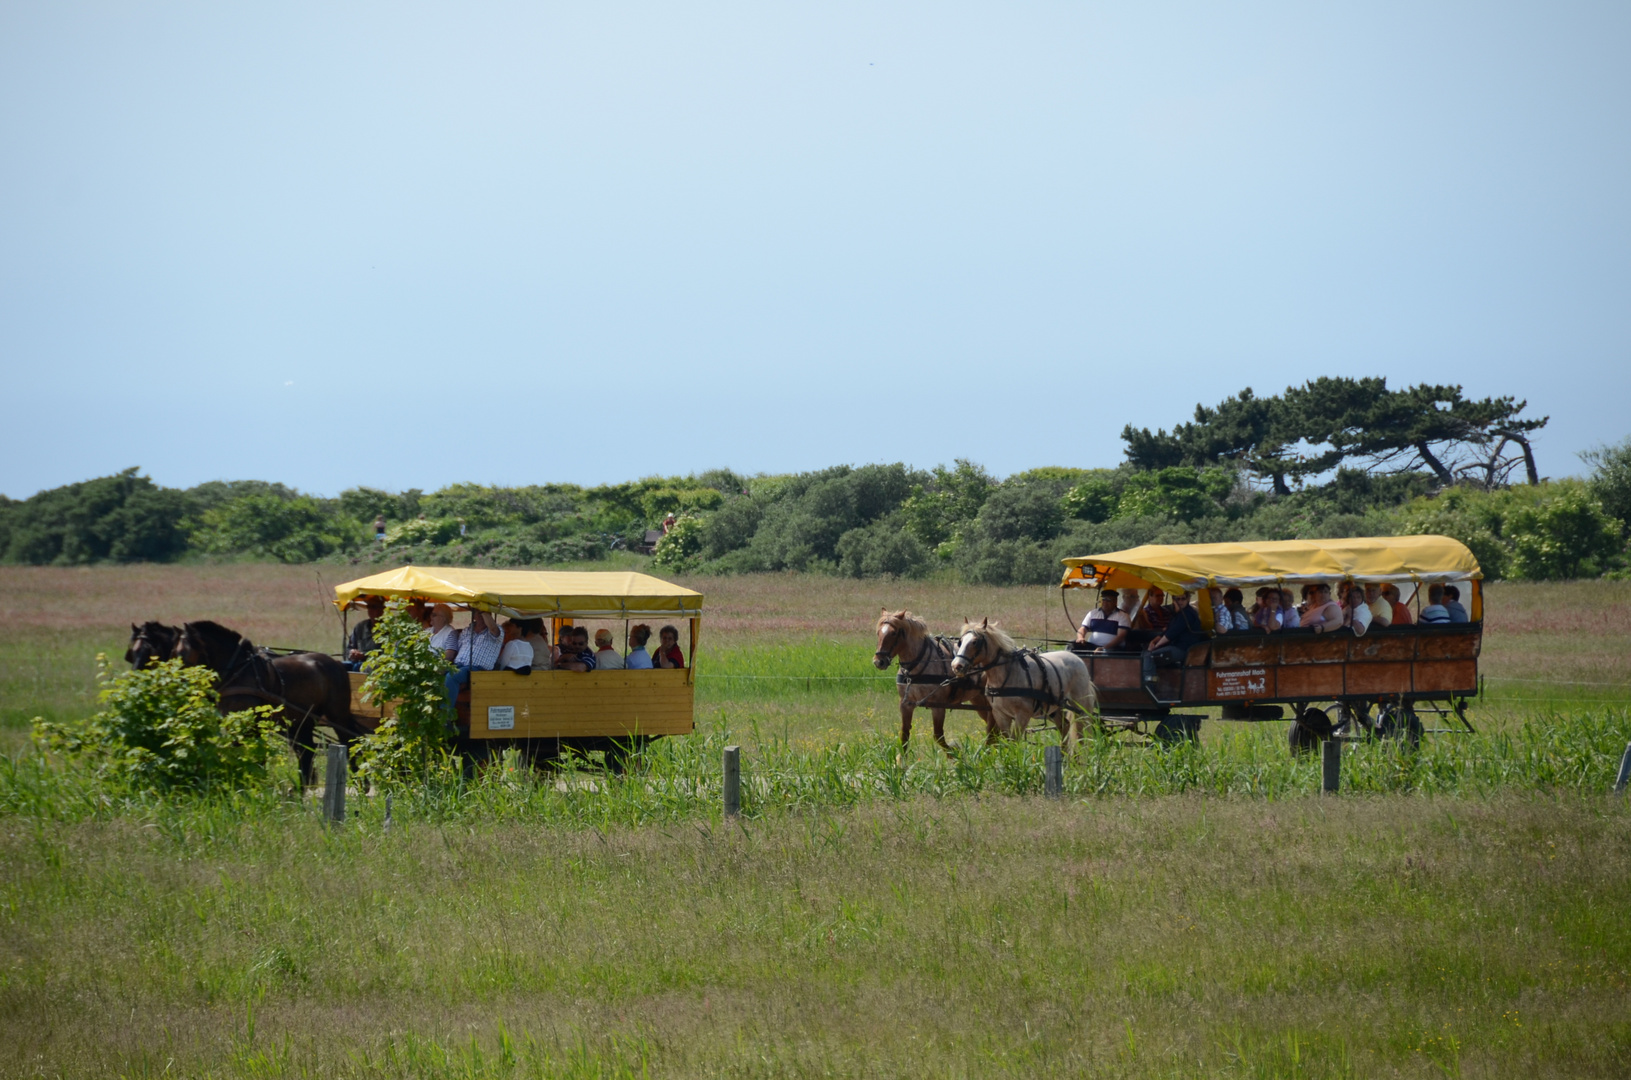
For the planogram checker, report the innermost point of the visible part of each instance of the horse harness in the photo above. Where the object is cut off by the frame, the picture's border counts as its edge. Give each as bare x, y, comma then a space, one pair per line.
906, 676
1024, 658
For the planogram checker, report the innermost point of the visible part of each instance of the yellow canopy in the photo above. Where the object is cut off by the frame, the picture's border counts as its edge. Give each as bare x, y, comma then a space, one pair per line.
1174, 567
531, 593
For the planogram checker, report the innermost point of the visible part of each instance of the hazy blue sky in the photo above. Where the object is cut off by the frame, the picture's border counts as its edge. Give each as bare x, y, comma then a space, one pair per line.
403, 245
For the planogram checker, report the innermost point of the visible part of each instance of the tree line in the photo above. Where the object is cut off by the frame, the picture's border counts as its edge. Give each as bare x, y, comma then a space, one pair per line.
1333, 457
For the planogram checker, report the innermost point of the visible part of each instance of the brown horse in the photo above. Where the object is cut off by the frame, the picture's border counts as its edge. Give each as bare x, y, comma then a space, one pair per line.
150, 643
1024, 683
925, 680
306, 687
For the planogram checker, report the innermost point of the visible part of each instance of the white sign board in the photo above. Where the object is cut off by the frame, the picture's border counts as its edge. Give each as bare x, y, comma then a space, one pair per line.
501, 718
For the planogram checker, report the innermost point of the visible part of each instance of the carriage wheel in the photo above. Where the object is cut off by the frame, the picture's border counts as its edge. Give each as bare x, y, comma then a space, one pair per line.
1310, 728
1400, 722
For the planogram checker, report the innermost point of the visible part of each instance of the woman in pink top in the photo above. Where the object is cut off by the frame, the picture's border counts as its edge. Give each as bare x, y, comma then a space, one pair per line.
1323, 613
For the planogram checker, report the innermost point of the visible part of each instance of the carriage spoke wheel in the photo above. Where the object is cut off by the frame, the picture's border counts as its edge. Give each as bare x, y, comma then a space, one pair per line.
1399, 721
1313, 726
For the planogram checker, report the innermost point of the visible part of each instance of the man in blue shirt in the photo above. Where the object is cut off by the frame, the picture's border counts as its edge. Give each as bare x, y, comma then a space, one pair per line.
1183, 632
1452, 604
1435, 613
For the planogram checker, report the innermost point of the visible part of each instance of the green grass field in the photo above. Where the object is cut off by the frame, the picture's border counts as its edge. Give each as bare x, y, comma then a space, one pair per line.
1186, 911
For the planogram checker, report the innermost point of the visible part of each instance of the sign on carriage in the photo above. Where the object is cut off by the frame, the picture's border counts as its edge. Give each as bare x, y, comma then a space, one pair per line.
501, 718
1241, 683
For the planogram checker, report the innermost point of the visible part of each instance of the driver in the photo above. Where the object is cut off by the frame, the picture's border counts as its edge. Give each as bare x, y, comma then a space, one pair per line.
1105, 627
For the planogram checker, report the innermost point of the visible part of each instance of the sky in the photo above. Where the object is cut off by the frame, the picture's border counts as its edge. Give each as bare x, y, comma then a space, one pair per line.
405, 245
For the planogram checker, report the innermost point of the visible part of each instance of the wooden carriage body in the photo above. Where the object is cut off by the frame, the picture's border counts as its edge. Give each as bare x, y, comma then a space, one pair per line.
1250, 674
1408, 664
587, 709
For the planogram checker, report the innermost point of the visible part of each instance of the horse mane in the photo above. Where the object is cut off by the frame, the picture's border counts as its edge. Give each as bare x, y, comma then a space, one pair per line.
993, 634
214, 637
905, 620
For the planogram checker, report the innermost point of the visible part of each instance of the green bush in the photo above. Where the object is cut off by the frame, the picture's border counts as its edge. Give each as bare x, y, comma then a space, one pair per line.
411, 743
159, 731
423, 531
1611, 479
679, 549
1534, 532
120, 518
1566, 536
289, 530
882, 549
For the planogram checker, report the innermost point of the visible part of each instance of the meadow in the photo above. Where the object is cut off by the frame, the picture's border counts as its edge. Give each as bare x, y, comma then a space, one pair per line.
1193, 910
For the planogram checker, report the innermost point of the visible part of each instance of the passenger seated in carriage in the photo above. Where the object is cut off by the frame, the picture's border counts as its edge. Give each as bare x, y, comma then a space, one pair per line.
1435, 613
1228, 617
638, 659
1290, 617
534, 634
516, 654
1105, 627
1182, 633
479, 647
1356, 614
1401, 613
362, 640
1452, 604
1322, 614
444, 638
668, 654
575, 652
1265, 614
606, 657
1381, 608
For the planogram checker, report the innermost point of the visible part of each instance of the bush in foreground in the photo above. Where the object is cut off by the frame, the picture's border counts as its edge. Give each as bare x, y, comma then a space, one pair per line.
160, 731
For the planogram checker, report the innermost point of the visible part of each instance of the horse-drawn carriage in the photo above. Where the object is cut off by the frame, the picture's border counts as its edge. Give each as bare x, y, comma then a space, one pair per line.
545, 712
1400, 670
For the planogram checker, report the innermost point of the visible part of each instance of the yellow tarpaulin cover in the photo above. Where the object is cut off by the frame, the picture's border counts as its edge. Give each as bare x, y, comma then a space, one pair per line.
531, 593
1193, 566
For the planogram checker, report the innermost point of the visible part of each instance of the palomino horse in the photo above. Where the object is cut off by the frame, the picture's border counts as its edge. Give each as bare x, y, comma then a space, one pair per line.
150, 643
1022, 683
306, 687
925, 679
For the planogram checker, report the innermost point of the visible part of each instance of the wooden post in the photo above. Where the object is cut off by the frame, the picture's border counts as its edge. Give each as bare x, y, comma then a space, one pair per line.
387, 811
334, 783
1331, 766
1625, 771
733, 781
1053, 772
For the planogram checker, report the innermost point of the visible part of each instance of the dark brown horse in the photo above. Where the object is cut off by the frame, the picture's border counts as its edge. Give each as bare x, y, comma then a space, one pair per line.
925, 680
308, 688
150, 643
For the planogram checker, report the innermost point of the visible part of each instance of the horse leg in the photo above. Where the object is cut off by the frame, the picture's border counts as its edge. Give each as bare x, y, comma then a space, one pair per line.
300, 741
992, 727
906, 711
940, 729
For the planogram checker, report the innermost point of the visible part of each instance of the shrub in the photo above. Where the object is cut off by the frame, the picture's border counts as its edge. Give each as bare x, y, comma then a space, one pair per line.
289, 530
160, 731
423, 531
411, 743
679, 549
122, 518
1611, 479
1566, 536
881, 549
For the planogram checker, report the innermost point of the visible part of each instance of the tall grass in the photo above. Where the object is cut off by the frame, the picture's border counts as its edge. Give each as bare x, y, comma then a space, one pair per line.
680, 779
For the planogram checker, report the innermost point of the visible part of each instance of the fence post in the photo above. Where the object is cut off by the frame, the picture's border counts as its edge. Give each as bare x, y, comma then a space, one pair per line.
334, 782
1053, 772
733, 781
387, 811
1331, 766
1625, 771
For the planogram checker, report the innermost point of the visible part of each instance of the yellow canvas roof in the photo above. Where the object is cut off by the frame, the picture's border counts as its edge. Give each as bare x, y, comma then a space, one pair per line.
1193, 566
531, 593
